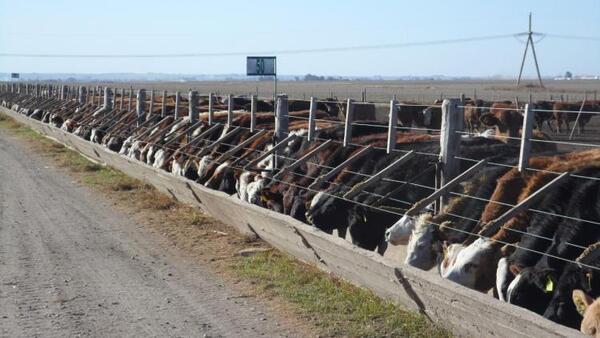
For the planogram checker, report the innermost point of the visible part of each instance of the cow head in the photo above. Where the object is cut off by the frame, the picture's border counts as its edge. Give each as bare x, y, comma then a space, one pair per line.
472, 266
507, 123
532, 289
327, 212
399, 232
424, 246
590, 310
575, 276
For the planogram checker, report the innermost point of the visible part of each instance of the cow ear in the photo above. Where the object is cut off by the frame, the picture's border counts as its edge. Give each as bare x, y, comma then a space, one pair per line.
489, 120
582, 301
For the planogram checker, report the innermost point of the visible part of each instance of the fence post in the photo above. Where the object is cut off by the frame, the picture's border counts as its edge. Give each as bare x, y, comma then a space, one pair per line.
82, 97
282, 118
392, 123
151, 107
139, 106
452, 121
229, 109
176, 114
211, 113
348, 123
108, 103
63, 92
281, 123
253, 108
122, 95
525, 138
311, 118
193, 106
130, 99
163, 108
50, 91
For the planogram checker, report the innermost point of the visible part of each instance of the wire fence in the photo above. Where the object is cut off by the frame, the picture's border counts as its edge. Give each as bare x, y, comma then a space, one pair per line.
163, 130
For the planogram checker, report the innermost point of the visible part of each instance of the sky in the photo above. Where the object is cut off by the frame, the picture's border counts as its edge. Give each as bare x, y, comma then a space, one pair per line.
162, 27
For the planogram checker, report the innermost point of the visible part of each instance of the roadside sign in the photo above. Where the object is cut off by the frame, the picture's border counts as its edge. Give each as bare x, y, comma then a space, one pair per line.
261, 66
14, 75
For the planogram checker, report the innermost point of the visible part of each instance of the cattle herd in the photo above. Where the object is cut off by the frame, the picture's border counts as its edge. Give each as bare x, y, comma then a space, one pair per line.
545, 258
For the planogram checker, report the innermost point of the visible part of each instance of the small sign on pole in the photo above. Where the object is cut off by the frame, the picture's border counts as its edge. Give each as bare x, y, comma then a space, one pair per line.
261, 66
264, 66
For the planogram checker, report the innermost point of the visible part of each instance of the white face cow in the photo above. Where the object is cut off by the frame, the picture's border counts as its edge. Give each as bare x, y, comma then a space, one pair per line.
472, 266
424, 248
399, 233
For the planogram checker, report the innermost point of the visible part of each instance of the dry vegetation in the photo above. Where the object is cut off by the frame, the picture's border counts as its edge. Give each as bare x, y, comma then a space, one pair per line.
383, 91
314, 301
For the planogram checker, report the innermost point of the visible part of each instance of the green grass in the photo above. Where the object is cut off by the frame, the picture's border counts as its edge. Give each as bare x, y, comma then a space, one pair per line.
335, 307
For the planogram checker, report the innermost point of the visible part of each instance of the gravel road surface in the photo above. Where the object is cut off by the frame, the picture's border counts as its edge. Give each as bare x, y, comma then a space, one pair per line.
71, 265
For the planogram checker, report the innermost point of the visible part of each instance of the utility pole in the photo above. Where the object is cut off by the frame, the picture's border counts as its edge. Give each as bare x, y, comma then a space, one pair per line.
530, 34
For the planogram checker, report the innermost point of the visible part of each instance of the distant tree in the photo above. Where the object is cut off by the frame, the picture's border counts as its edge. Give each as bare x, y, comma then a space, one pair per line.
568, 75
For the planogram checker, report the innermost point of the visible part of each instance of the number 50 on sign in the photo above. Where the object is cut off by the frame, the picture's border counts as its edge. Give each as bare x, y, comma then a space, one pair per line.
261, 65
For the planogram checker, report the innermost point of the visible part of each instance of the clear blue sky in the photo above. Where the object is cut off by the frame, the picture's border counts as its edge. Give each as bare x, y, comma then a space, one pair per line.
122, 27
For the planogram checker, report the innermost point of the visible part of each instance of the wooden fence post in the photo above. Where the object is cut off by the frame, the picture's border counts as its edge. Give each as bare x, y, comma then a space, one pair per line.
130, 99
282, 117
193, 106
281, 124
139, 106
348, 123
452, 121
176, 114
82, 97
253, 108
121, 99
229, 109
151, 107
163, 108
392, 123
311, 119
526, 138
211, 113
108, 103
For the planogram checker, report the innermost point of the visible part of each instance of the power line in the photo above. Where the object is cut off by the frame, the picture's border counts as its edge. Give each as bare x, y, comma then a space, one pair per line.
277, 52
574, 37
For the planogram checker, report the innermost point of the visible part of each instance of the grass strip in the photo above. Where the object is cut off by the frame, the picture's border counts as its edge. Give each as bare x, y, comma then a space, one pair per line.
332, 306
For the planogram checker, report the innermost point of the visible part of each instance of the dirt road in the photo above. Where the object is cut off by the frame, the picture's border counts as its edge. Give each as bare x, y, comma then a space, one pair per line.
71, 265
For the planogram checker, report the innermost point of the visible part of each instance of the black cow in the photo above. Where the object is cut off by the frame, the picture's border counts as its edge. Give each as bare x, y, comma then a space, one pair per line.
535, 288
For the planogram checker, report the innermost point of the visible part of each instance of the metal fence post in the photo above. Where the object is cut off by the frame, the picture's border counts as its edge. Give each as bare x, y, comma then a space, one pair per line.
211, 103
139, 106
452, 121
392, 123
348, 123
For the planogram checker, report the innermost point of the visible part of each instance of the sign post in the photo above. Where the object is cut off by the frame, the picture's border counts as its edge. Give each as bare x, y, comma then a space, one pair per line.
264, 66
